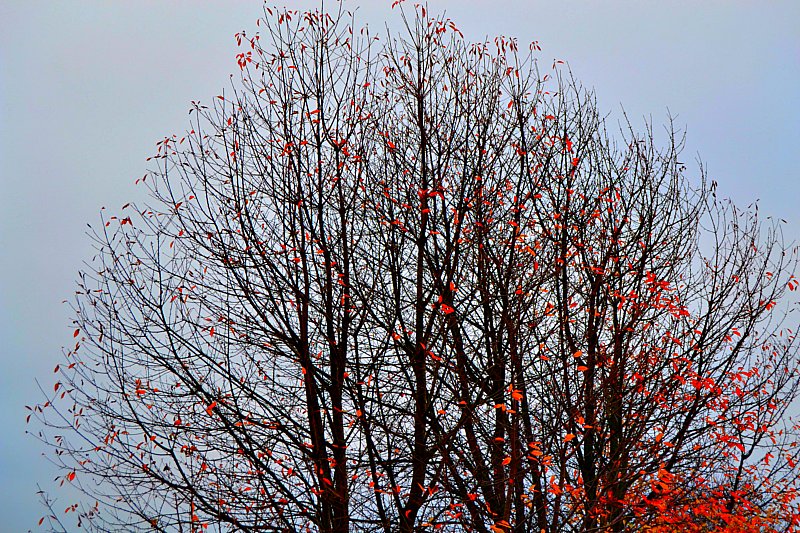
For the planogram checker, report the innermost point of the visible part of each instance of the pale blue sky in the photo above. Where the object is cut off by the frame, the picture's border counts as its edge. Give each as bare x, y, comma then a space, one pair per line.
88, 87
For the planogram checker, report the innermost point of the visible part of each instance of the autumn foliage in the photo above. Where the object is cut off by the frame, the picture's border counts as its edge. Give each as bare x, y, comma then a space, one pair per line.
412, 283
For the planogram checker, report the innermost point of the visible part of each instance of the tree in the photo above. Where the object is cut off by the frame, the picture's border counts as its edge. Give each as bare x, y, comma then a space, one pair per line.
415, 284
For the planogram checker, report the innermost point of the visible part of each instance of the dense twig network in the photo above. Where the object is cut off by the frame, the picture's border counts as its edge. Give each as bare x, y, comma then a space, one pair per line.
412, 284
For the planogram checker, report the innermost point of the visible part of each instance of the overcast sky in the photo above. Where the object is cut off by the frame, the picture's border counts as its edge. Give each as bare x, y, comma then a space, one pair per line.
88, 87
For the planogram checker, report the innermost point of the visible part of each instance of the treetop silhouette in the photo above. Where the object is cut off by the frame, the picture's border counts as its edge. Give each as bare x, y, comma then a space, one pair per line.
412, 283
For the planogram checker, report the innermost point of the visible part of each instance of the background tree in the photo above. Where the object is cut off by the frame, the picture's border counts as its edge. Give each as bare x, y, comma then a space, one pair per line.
413, 284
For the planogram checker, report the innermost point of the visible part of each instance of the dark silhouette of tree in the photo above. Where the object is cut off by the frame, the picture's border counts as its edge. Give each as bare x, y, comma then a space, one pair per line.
413, 284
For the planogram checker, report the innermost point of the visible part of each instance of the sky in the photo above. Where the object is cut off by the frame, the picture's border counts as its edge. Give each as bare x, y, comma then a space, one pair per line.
88, 86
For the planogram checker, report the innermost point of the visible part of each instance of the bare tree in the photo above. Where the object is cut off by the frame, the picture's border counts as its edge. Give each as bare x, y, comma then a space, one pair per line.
414, 284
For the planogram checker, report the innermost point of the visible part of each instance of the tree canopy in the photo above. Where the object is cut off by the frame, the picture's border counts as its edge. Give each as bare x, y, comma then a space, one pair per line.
412, 283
